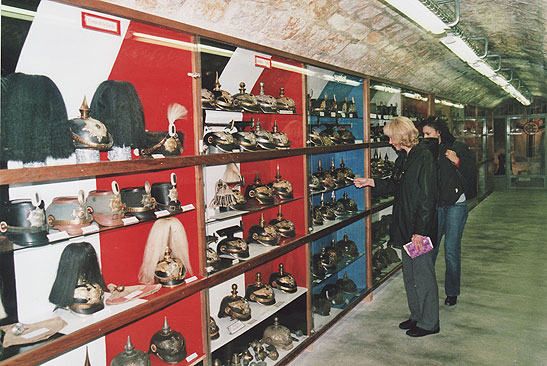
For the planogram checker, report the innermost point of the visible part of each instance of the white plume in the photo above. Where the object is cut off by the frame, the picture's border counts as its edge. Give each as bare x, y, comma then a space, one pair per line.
176, 111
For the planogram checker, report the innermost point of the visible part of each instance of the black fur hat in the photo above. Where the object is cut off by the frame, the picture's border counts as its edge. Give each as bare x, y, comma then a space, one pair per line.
117, 105
78, 265
34, 122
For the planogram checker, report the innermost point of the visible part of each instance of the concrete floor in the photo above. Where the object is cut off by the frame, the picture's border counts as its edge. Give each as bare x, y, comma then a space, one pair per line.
501, 315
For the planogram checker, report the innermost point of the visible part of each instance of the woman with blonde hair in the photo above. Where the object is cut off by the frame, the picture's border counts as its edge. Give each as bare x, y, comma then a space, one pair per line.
414, 185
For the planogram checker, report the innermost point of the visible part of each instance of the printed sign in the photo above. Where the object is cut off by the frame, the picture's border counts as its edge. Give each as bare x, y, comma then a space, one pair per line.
100, 23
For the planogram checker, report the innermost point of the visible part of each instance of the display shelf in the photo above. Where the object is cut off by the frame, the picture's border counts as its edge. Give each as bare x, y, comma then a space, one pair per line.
376, 145
313, 193
339, 267
336, 223
384, 203
7, 245
381, 117
320, 321
282, 352
259, 313
387, 272
280, 113
250, 207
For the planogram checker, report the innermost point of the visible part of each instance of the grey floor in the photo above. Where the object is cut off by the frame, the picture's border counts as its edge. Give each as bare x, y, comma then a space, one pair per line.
501, 315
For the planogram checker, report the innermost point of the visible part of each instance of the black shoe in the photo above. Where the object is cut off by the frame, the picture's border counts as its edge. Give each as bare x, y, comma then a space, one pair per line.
419, 332
408, 324
451, 300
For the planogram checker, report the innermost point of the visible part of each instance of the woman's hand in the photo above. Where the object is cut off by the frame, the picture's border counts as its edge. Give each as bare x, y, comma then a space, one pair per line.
452, 156
363, 182
418, 241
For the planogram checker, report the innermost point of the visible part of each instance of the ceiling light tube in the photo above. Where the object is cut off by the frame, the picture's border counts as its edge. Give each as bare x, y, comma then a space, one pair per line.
483, 68
499, 80
387, 89
414, 96
421, 14
460, 47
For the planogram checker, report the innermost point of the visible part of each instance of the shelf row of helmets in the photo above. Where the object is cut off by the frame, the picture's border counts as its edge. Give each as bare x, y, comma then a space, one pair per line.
245, 102
332, 210
331, 257
331, 135
337, 294
318, 107
331, 179
236, 139
33, 110
26, 222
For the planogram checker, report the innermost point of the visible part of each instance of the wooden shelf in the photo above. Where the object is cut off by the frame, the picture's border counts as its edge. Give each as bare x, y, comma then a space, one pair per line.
109, 168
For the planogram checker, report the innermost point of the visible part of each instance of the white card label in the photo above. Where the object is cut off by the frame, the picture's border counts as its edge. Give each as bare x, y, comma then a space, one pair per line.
90, 229
188, 207
162, 213
58, 236
284, 111
130, 220
35, 333
158, 156
321, 114
191, 279
234, 327
342, 114
191, 357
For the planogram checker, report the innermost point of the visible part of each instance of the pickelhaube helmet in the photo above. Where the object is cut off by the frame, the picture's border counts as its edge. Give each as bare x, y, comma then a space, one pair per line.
221, 140
89, 133
246, 140
261, 192
320, 305
170, 271
169, 345
223, 99
333, 294
326, 211
281, 187
284, 227
343, 174
332, 104
240, 199
264, 138
323, 259
246, 101
392, 254
348, 247
166, 194
207, 99
314, 138
325, 178
234, 306
338, 208
268, 104
263, 234
318, 271
139, 201
334, 252
131, 357
260, 292
280, 139
230, 245
69, 214
260, 353
246, 356
346, 285
285, 103
349, 203
278, 335
316, 216
283, 281
330, 133
24, 221
214, 330
346, 136
314, 183
107, 206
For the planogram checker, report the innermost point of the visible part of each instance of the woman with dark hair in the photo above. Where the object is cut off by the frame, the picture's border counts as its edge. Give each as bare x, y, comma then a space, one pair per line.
457, 183
414, 184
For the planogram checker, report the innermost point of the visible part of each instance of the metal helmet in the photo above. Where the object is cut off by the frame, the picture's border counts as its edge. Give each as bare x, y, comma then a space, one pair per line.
69, 214
223, 99
207, 99
88, 298
24, 221
214, 330
170, 271
246, 140
343, 174
346, 135
325, 261
263, 234
348, 247
221, 140
325, 178
261, 192
320, 305
337, 207
139, 201
260, 292
314, 183
231, 245
283, 281
285, 103
131, 357
278, 335
234, 306
333, 294
314, 139
107, 206
89, 133
169, 345
329, 133
326, 211
284, 227
334, 253
166, 195
280, 139
349, 203
267, 103
346, 285
281, 187
246, 101
264, 138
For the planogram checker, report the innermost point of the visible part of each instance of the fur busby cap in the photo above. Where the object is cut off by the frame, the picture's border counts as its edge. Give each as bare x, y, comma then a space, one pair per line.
34, 122
78, 268
118, 106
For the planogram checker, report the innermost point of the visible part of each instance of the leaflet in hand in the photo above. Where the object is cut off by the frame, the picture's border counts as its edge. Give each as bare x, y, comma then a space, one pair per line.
413, 252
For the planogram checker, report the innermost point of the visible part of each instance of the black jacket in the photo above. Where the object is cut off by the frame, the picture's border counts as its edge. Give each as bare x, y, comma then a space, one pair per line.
414, 184
455, 180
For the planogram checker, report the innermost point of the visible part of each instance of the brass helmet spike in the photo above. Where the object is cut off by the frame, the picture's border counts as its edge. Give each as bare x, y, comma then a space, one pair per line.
84, 109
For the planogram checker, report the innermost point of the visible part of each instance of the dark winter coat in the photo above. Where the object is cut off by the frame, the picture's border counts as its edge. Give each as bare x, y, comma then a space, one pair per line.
455, 180
414, 185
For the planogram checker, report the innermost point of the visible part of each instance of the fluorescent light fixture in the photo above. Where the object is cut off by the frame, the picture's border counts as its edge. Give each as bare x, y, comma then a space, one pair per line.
414, 96
342, 79
483, 68
387, 89
421, 14
499, 80
17, 13
460, 48
449, 104
163, 41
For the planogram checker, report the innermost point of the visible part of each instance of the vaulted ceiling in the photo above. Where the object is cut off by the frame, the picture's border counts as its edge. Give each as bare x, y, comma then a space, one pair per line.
370, 37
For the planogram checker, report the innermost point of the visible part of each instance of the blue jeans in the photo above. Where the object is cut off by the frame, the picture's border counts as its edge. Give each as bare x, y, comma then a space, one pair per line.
451, 220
